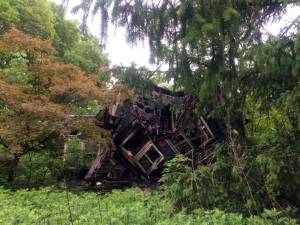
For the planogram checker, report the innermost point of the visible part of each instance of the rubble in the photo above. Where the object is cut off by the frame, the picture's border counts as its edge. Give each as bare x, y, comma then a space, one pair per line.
149, 132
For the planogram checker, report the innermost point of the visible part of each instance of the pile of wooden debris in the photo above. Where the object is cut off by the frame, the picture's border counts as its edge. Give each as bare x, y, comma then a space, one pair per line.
149, 132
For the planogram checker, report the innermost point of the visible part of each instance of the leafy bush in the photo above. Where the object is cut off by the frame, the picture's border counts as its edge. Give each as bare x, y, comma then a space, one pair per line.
34, 169
17, 70
90, 108
235, 183
202, 187
39, 169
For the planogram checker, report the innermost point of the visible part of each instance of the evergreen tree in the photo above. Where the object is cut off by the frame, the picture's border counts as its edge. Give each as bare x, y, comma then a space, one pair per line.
216, 52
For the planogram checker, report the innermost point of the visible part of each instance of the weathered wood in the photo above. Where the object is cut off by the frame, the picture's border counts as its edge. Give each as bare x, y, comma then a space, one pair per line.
66, 148
96, 165
149, 132
82, 149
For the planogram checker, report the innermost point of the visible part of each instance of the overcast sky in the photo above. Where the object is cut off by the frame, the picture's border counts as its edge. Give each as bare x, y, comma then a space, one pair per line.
121, 53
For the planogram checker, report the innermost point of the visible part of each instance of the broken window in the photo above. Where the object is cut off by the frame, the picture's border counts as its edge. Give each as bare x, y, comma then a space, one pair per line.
149, 158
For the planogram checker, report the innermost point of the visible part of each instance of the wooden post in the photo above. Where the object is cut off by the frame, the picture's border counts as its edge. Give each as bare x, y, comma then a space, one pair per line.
82, 152
66, 148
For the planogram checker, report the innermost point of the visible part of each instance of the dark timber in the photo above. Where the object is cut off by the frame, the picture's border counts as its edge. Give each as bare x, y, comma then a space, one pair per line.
149, 132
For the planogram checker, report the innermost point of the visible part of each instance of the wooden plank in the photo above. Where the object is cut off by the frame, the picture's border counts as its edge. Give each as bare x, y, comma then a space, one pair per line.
207, 127
96, 164
66, 149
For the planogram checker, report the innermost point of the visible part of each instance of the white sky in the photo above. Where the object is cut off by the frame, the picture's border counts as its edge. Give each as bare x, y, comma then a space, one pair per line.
121, 53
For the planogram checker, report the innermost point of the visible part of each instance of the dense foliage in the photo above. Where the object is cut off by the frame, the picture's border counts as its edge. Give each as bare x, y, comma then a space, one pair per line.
45, 20
218, 53
54, 206
39, 87
34, 17
37, 92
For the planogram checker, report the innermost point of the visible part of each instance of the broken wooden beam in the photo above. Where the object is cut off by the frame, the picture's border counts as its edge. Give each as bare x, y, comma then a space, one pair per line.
97, 163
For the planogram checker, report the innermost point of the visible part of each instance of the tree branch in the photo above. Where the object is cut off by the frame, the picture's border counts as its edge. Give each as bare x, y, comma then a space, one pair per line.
285, 30
3, 143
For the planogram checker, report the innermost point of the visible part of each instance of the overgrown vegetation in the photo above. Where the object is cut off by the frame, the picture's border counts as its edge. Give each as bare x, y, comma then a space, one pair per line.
217, 52
54, 206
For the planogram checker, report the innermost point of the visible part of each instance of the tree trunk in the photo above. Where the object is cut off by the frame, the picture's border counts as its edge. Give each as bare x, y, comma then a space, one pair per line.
13, 168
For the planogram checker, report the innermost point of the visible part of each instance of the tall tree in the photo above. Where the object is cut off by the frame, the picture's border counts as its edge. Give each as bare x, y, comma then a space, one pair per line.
9, 15
200, 40
217, 52
33, 112
67, 32
34, 17
87, 54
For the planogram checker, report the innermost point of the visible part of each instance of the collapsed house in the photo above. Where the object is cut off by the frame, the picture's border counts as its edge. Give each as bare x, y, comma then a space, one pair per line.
147, 132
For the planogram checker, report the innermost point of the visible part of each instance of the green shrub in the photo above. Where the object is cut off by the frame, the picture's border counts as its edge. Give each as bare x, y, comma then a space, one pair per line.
39, 169
34, 169
192, 189
235, 182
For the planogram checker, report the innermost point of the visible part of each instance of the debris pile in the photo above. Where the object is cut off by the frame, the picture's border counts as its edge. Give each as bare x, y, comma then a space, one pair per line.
148, 132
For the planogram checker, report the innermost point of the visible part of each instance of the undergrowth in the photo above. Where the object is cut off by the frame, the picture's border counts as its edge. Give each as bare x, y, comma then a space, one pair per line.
133, 206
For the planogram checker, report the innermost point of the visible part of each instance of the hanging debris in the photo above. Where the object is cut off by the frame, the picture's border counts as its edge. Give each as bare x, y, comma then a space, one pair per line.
149, 132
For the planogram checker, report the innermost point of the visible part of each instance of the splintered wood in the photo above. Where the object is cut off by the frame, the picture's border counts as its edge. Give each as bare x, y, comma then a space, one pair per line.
96, 165
149, 132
